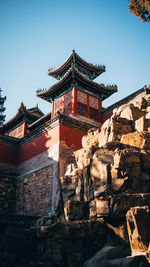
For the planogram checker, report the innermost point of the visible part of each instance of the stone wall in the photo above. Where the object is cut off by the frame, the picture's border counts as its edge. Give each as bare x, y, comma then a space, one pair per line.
7, 194
33, 188
34, 193
35, 163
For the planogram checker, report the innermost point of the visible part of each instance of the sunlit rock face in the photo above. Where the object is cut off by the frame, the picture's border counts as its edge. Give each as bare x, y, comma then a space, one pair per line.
110, 176
138, 219
112, 169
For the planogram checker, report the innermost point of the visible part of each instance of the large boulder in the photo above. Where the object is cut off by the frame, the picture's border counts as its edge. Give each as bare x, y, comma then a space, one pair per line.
102, 256
140, 140
82, 157
132, 113
76, 210
113, 167
113, 257
119, 204
91, 139
113, 128
100, 166
141, 103
145, 159
138, 220
69, 243
127, 164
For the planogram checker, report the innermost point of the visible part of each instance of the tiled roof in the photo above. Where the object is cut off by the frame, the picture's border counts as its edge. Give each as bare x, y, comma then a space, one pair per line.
125, 100
23, 112
74, 57
74, 75
5, 139
39, 121
36, 111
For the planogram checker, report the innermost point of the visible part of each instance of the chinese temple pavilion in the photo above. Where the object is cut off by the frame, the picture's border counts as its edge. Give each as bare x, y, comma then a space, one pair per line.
76, 94
35, 148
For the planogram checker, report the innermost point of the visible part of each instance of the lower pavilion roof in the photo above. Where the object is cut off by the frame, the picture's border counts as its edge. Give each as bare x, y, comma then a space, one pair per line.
23, 114
73, 78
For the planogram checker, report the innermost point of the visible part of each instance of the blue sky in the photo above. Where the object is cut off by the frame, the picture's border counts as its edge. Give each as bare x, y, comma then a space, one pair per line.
39, 34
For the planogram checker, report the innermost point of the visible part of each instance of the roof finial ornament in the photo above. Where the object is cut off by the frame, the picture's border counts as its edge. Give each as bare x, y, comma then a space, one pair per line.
74, 60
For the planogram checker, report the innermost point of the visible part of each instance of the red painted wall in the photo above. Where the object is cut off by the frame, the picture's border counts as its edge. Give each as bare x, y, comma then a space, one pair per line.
71, 137
38, 145
67, 136
8, 154
13, 155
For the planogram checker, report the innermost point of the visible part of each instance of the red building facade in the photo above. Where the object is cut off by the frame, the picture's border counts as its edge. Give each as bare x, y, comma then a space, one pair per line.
35, 148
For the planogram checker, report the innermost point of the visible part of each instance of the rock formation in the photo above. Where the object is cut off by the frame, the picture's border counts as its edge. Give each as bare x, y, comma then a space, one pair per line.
138, 220
114, 162
111, 173
102, 207
113, 256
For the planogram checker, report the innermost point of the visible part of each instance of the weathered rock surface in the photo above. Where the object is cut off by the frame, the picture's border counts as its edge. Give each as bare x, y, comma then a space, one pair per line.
138, 221
119, 204
131, 112
66, 244
76, 210
113, 257
112, 173
114, 163
91, 140
136, 139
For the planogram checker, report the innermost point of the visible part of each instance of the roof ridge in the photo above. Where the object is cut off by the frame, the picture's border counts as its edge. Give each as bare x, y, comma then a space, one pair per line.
73, 68
22, 109
111, 87
91, 64
125, 99
75, 57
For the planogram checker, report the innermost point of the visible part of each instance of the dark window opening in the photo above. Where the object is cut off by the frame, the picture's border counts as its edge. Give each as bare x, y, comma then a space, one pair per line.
82, 109
94, 114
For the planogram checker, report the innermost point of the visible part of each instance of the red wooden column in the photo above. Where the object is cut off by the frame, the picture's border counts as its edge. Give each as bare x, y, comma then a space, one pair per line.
25, 129
100, 110
63, 105
88, 106
74, 101
53, 110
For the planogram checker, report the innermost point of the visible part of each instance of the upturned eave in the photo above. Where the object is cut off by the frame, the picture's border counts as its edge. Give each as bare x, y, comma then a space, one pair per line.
73, 77
22, 115
75, 59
